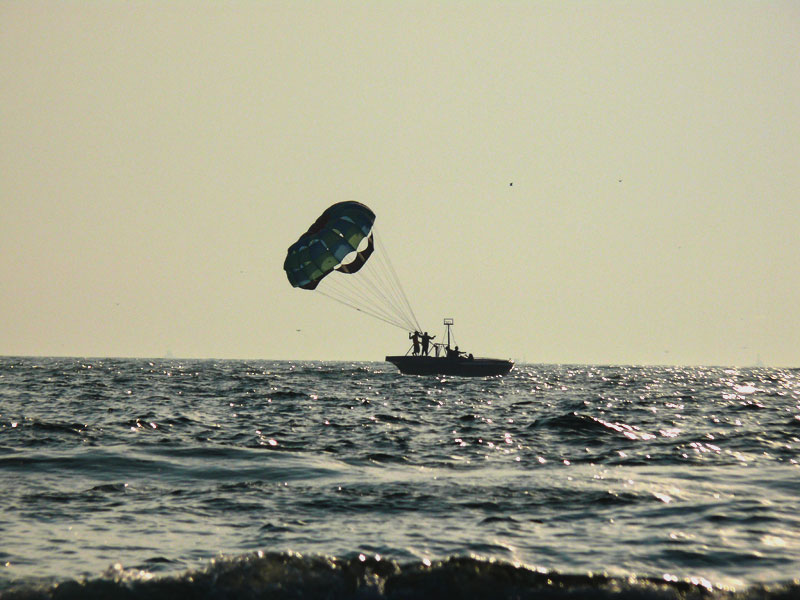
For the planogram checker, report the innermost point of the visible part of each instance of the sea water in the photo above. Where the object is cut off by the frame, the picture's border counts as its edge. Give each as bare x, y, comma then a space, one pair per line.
247, 479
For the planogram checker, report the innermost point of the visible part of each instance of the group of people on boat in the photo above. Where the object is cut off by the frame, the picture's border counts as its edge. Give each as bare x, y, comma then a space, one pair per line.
421, 343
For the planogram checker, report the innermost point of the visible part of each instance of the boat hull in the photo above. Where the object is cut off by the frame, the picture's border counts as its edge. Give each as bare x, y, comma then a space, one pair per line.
461, 367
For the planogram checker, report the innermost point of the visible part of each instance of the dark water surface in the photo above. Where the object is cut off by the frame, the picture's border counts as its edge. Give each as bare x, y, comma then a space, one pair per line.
127, 477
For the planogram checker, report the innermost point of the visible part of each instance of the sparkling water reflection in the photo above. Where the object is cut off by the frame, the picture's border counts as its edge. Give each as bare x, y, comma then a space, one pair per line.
162, 465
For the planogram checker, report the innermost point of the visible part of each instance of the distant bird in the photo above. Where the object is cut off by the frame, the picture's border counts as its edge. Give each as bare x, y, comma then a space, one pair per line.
619, 180
510, 184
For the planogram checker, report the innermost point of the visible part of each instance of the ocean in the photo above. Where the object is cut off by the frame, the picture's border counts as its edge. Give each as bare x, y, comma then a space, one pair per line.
131, 478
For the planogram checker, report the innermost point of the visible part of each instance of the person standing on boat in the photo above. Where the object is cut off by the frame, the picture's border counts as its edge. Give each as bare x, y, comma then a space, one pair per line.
414, 337
426, 340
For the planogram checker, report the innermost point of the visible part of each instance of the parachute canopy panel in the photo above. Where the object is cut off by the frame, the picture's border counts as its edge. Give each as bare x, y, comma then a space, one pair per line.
337, 233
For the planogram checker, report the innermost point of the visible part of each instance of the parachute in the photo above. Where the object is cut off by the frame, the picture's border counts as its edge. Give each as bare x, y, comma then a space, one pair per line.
342, 244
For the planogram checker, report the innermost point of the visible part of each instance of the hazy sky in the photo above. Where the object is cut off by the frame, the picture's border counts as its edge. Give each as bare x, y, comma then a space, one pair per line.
157, 159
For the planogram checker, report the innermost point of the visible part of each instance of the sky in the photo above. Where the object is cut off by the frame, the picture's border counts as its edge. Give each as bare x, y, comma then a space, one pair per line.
571, 182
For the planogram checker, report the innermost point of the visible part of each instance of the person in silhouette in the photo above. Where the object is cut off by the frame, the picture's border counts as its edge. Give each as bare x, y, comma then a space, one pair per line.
426, 340
414, 337
453, 353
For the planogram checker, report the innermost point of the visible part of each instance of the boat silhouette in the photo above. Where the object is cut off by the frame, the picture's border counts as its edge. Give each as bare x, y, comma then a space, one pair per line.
448, 361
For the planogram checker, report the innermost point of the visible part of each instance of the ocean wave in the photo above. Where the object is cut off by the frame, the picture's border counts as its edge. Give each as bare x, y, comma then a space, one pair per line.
289, 575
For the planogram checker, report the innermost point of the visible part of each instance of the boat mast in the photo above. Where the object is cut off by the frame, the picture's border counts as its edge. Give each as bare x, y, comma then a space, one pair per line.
448, 323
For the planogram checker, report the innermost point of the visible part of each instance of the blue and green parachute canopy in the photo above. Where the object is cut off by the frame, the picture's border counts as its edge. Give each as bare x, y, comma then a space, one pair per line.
337, 234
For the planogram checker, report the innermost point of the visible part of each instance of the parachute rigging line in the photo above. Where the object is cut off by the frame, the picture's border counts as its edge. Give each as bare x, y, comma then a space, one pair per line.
375, 291
383, 291
364, 311
362, 296
384, 254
